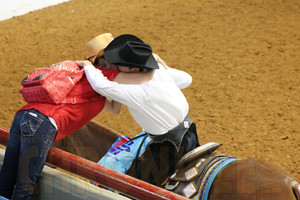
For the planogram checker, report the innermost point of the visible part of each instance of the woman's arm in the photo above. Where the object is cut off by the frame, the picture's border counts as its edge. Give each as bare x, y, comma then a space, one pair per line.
161, 61
112, 106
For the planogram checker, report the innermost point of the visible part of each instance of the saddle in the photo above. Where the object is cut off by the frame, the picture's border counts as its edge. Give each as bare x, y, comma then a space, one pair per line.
195, 170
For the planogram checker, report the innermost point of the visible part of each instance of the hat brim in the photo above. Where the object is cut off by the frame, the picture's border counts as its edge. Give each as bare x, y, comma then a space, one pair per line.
111, 53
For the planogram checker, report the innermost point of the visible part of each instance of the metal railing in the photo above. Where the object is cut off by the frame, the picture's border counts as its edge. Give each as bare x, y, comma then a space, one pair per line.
121, 182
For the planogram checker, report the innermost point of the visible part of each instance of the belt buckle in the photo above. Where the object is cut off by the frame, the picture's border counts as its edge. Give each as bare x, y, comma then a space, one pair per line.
73, 100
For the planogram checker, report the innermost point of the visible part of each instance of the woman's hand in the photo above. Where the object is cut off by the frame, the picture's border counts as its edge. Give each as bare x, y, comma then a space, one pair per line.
161, 61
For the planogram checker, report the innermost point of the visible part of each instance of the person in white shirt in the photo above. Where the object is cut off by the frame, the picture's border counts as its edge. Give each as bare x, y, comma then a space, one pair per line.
157, 105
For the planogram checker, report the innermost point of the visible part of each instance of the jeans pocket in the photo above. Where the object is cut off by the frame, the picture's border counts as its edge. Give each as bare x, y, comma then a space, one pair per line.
30, 123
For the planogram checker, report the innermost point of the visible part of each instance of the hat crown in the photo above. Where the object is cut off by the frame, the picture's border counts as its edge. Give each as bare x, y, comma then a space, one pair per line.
135, 52
96, 46
128, 50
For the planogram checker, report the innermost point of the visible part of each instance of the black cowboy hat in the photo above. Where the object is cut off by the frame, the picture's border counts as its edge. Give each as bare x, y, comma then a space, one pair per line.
128, 50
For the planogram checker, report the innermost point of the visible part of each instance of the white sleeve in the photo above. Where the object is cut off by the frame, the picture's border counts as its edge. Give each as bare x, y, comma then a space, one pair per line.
127, 94
181, 78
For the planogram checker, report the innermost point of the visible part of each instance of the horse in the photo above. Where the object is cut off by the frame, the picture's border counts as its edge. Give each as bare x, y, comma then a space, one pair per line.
91, 141
201, 173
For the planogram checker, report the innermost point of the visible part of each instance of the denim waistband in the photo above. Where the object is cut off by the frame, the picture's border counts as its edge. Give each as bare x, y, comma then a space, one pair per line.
35, 113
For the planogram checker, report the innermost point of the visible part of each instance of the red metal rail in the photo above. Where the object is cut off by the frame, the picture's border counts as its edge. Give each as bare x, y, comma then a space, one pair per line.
105, 176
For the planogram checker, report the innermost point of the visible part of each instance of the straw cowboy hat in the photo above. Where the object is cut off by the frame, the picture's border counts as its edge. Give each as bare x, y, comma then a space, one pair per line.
128, 50
95, 47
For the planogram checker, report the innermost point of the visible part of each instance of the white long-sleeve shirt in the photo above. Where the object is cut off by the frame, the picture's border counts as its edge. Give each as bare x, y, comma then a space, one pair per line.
157, 105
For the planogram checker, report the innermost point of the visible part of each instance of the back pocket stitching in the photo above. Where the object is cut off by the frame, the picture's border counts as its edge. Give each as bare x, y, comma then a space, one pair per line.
29, 124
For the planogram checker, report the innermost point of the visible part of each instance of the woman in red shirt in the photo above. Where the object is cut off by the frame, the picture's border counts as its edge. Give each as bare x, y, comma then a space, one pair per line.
37, 125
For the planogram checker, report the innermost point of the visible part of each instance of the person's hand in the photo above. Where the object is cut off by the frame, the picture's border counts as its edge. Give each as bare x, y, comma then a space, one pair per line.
159, 60
83, 63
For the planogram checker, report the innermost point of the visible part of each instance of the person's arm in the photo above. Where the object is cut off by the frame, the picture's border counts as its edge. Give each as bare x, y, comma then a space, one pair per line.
160, 61
181, 78
134, 78
112, 106
127, 94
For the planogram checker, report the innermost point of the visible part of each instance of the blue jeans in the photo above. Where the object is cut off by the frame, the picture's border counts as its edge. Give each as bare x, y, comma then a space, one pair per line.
30, 139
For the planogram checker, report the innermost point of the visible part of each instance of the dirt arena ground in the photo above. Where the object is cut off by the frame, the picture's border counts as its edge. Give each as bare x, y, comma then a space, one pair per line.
244, 57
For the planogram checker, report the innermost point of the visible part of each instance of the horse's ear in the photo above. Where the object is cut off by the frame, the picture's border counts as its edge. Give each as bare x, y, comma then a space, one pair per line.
198, 152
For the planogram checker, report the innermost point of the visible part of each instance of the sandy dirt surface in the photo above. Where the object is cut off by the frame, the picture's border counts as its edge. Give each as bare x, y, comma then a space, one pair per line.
244, 57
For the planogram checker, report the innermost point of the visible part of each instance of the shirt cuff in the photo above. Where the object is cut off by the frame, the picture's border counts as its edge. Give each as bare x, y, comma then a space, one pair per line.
88, 67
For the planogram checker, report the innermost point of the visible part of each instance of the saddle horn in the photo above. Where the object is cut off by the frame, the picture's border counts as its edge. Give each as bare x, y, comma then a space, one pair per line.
198, 153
